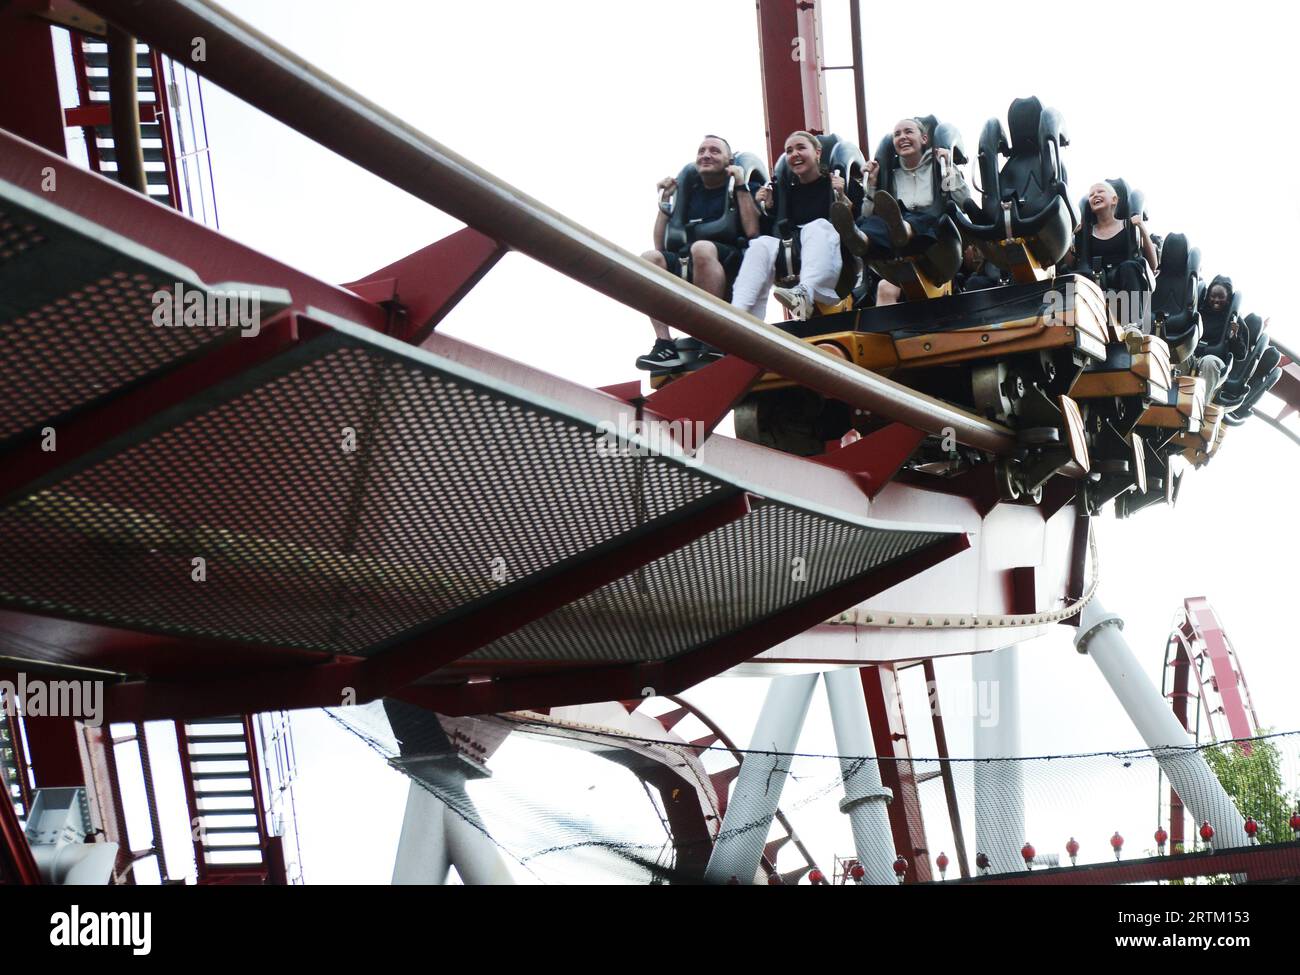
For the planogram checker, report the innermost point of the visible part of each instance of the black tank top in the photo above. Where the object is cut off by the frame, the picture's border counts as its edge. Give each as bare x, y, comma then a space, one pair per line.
1109, 251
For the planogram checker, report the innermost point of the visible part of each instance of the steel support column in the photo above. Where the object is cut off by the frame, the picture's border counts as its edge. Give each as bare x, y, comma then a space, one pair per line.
999, 779
1100, 637
866, 800
754, 801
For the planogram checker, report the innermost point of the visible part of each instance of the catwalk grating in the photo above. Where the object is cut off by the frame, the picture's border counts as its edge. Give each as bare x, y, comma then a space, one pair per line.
349, 493
729, 579
76, 313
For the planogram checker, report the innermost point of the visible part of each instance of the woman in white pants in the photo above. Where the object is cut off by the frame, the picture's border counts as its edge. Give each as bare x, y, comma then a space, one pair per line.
809, 192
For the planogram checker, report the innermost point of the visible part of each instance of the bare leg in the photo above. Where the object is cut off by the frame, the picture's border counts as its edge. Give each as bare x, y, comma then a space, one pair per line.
706, 269
888, 294
657, 259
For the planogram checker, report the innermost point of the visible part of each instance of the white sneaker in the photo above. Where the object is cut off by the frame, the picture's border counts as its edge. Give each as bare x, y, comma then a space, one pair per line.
796, 300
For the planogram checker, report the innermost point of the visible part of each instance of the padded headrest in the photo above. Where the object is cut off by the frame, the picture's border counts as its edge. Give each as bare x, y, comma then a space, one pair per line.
1023, 118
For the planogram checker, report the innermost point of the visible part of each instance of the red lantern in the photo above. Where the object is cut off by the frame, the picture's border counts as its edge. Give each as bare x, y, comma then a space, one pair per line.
1072, 848
942, 863
1207, 832
857, 872
1161, 838
1027, 851
1117, 844
982, 862
1252, 828
900, 868
816, 877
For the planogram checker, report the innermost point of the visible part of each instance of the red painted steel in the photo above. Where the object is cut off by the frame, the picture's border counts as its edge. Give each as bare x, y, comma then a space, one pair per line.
31, 106
16, 863
98, 761
1229, 682
889, 732
784, 78
706, 395
55, 758
1276, 861
429, 282
877, 457
945, 767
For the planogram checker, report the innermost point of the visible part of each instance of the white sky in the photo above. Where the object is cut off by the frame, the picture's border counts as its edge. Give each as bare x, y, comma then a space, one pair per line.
586, 104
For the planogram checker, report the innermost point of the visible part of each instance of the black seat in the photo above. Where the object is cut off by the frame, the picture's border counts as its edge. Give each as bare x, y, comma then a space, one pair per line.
1174, 301
1255, 357
726, 229
939, 262
1216, 326
1027, 199
838, 156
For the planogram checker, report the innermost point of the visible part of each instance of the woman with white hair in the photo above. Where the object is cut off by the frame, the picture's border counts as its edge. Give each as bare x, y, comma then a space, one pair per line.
1109, 256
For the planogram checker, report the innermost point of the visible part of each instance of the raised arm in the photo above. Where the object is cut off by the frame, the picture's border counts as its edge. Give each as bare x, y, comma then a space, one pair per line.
1148, 245
667, 187
745, 204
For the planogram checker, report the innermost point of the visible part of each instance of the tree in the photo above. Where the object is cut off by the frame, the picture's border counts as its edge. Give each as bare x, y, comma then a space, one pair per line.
1254, 780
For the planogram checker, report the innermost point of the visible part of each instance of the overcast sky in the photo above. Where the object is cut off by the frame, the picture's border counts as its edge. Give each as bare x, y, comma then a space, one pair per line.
586, 104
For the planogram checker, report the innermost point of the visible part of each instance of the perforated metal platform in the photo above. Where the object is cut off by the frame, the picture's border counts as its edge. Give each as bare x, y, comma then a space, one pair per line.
343, 492
77, 308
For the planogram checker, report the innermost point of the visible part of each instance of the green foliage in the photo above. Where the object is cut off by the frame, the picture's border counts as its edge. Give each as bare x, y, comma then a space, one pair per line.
1255, 783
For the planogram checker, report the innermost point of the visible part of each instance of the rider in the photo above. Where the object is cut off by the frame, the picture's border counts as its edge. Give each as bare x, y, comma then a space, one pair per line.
808, 191
905, 216
711, 264
1108, 250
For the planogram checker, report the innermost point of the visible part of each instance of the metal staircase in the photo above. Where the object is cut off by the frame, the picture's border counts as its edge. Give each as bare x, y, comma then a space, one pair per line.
90, 62
224, 792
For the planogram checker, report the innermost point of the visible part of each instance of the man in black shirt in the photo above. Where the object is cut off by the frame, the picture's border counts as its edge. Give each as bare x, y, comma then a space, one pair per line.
711, 260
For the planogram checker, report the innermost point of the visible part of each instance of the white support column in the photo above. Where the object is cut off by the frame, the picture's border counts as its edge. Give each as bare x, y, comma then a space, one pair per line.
422, 856
1202, 793
476, 858
436, 837
754, 800
865, 797
999, 784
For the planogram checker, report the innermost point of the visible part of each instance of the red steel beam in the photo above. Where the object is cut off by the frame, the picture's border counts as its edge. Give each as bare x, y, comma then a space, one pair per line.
268, 76
785, 79
1274, 861
16, 863
31, 106
889, 732
945, 767
429, 282
1210, 633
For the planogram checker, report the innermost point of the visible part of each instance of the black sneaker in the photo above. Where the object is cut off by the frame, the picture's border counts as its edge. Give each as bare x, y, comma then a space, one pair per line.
663, 356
